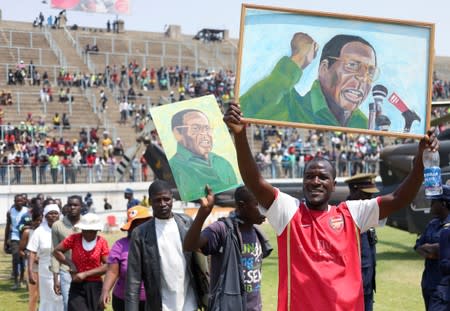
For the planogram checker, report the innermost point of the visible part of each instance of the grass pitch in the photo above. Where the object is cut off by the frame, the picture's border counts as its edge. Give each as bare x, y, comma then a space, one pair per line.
399, 270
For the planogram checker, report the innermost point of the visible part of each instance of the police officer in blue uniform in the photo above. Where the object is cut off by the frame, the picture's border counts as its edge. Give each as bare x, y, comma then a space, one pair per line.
362, 187
427, 245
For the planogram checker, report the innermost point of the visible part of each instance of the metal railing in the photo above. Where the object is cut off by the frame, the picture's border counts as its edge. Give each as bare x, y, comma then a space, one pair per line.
45, 175
52, 70
280, 169
54, 46
78, 49
43, 102
206, 56
58, 131
25, 53
9, 34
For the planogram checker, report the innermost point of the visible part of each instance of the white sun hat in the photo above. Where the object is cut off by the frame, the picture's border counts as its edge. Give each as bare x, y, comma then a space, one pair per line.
90, 221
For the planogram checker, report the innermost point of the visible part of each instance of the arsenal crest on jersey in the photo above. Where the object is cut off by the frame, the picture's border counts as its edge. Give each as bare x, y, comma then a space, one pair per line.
337, 222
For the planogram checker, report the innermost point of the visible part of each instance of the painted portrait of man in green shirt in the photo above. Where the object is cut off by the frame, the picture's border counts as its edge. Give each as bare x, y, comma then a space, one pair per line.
194, 164
348, 66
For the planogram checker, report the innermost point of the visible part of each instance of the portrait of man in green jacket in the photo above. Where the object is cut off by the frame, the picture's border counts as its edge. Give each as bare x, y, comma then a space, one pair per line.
347, 69
194, 164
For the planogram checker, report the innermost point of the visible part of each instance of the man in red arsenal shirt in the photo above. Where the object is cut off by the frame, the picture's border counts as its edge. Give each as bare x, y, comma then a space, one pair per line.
318, 244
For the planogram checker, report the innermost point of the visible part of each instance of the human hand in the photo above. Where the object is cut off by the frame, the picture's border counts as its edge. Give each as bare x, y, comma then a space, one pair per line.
429, 141
304, 49
31, 279
78, 277
57, 286
6, 247
207, 202
105, 298
428, 250
232, 118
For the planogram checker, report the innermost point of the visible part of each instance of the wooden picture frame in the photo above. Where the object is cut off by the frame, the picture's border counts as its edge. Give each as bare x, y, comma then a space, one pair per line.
198, 146
335, 72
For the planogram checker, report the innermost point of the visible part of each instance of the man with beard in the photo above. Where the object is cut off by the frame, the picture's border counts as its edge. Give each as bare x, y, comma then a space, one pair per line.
347, 68
319, 261
194, 165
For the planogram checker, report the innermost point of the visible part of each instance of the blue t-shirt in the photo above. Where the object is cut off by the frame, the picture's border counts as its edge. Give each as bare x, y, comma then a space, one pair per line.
251, 258
16, 216
133, 202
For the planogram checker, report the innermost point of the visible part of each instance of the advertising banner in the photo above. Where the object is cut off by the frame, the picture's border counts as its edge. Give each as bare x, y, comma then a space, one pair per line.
120, 7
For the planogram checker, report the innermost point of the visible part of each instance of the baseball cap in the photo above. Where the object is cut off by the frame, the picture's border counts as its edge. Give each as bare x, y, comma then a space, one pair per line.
363, 182
128, 190
136, 212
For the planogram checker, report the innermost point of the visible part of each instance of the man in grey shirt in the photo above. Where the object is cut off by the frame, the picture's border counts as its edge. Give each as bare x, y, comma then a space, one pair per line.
60, 230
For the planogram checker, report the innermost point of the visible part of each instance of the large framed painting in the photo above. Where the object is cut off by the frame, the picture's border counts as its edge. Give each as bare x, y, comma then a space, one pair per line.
198, 146
335, 72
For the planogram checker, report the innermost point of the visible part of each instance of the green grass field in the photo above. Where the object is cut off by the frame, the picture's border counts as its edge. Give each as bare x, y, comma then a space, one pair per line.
399, 271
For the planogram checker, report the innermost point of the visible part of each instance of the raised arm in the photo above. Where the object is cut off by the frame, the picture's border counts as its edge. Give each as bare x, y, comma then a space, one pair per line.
263, 191
408, 189
193, 240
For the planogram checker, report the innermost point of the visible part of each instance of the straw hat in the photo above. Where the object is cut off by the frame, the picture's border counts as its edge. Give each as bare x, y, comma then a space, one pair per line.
90, 221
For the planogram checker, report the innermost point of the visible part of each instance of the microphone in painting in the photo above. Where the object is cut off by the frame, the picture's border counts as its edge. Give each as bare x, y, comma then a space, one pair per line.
409, 115
378, 121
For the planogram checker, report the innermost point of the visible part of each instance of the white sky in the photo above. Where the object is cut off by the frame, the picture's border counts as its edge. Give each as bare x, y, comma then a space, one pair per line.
194, 15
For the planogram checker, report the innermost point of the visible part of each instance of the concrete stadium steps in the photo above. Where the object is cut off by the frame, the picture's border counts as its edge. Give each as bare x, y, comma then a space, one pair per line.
38, 55
123, 48
17, 37
70, 53
81, 116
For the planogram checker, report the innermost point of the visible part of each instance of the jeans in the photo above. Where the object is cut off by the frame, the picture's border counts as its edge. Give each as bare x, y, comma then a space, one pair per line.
65, 280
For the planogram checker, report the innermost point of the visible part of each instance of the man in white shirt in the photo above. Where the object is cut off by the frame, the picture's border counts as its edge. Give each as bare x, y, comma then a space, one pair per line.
156, 257
318, 247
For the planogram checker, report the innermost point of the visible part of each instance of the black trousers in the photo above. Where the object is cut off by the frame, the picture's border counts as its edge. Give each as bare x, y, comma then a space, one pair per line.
85, 296
119, 304
18, 264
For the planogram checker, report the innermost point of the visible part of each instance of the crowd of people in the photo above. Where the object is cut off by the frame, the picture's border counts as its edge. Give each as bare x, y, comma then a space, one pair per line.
285, 151
237, 248
441, 89
26, 75
29, 147
40, 232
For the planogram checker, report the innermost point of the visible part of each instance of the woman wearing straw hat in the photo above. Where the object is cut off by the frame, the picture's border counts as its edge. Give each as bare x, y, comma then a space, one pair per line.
118, 262
88, 263
40, 246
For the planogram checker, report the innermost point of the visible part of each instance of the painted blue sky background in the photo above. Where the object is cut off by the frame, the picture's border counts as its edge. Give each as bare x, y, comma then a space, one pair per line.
402, 55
